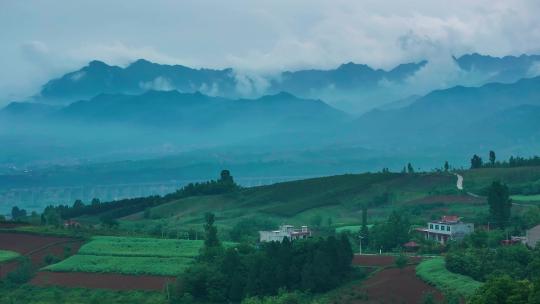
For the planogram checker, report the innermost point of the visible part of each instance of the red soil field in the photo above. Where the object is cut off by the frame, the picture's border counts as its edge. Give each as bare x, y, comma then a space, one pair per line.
26, 243
101, 280
379, 260
395, 286
36, 247
11, 225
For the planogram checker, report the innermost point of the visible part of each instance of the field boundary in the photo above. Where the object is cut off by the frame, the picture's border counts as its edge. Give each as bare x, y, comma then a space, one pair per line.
434, 272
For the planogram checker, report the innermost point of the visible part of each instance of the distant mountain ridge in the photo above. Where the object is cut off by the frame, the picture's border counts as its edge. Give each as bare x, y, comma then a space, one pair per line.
98, 77
351, 87
173, 109
501, 69
150, 117
460, 114
140, 76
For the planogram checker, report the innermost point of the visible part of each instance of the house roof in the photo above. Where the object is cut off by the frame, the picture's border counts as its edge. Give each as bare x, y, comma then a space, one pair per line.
450, 219
411, 244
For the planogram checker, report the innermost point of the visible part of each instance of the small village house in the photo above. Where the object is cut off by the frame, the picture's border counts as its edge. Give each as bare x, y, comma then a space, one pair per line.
411, 246
285, 231
72, 224
449, 227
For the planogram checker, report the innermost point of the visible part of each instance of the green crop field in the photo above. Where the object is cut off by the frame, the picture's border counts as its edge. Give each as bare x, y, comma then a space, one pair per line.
141, 247
6, 255
171, 266
130, 255
526, 198
53, 295
435, 273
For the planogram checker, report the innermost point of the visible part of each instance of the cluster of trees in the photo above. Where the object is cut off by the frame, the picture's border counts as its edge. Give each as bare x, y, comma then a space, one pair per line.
511, 273
247, 229
115, 209
224, 184
388, 235
483, 262
408, 169
504, 289
513, 161
17, 213
477, 162
232, 274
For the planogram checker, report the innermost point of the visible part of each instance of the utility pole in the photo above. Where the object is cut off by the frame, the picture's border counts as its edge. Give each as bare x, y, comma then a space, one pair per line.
360, 237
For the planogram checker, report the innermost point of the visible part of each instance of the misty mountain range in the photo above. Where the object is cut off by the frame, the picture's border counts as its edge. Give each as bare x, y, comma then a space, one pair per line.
351, 87
104, 113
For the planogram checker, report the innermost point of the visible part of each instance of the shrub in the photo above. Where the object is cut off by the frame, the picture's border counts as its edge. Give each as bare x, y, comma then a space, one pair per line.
22, 274
50, 259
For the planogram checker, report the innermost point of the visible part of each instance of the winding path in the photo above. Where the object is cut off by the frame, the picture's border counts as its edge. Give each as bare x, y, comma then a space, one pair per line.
459, 183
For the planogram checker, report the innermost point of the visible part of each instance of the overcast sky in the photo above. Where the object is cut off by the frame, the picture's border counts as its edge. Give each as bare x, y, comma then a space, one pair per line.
42, 39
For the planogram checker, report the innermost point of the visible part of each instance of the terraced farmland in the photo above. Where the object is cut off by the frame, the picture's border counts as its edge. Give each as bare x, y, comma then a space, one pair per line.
136, 265
136, 256
141, 247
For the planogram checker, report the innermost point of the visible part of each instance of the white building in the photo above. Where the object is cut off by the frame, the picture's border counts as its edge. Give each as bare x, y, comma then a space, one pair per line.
448, 228
532, 236
285, 231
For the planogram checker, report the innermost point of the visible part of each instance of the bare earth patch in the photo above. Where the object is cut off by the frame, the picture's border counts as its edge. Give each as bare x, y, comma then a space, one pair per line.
101, 280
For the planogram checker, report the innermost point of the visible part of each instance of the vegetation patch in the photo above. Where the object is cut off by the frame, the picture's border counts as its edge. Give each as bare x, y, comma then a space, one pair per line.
54, 295
351, 228
126, 265
141, 247
434, 272
526, 198
129, 255
6, 255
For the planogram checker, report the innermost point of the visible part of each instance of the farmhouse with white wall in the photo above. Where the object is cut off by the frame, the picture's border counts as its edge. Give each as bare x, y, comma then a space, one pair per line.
285, 231
449, 227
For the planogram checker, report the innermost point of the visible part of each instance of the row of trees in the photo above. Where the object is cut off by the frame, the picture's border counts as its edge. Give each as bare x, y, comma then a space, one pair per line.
119, 208
513, 161
232, 274
17, 213
477, 162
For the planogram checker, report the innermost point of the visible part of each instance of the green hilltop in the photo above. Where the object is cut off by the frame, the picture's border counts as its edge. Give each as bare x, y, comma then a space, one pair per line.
333, 202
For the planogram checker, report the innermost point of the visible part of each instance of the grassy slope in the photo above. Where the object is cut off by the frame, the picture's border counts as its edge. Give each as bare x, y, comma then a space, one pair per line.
337, 197
477, 179
434, 272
